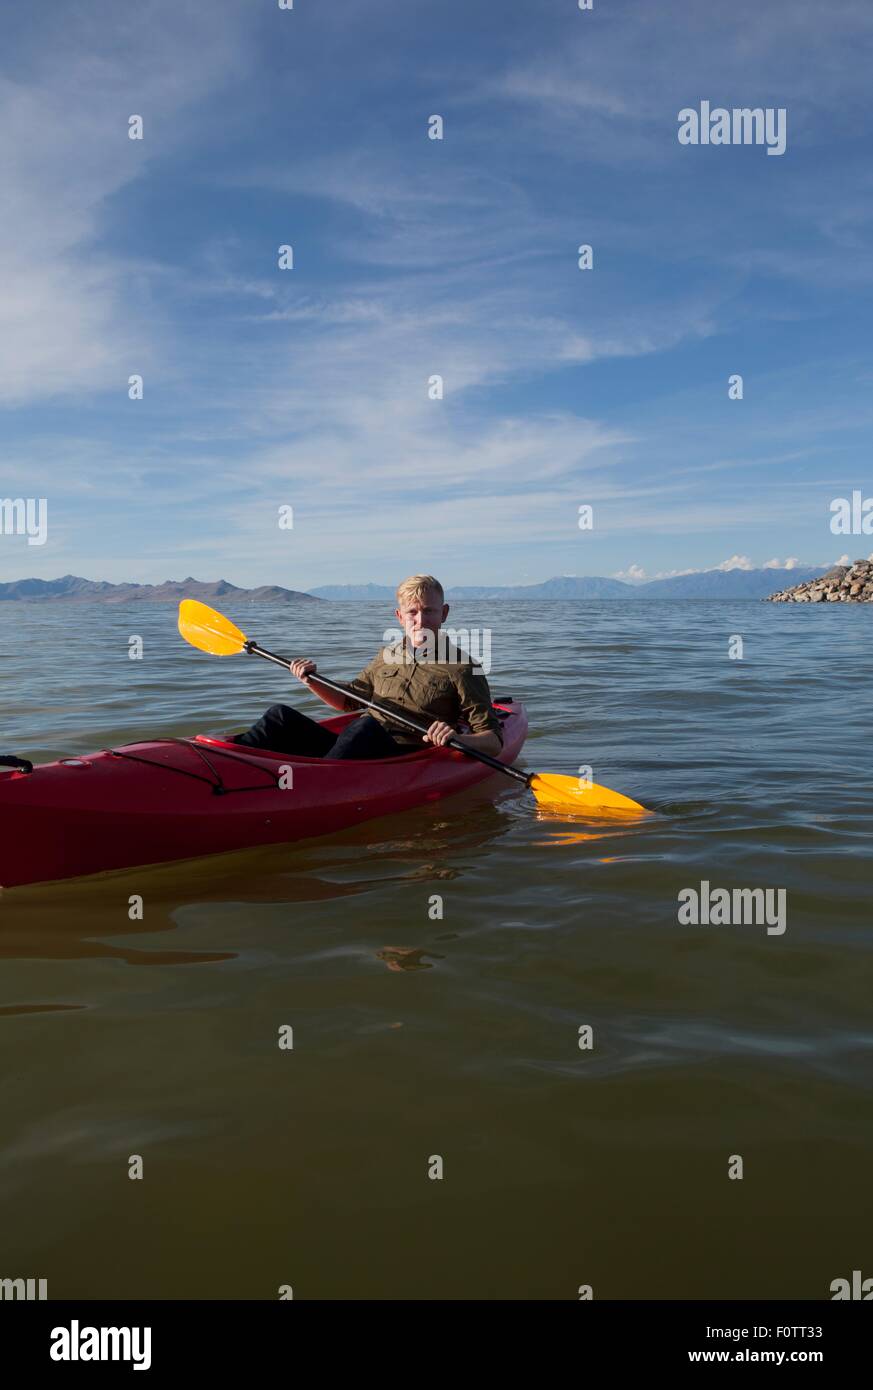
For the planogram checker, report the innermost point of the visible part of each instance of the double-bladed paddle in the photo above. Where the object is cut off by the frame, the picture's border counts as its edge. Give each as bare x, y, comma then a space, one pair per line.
211, 632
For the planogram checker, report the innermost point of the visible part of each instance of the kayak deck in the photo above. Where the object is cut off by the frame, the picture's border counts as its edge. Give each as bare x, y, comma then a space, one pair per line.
166, 799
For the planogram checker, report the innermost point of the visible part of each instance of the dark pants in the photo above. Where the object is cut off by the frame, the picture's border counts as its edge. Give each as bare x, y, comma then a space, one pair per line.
285, 730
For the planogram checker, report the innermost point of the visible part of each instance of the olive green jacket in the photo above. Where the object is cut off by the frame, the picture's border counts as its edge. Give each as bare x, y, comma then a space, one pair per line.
454, 691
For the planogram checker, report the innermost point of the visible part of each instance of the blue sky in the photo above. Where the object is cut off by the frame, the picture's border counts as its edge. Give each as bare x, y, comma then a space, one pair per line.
414, 257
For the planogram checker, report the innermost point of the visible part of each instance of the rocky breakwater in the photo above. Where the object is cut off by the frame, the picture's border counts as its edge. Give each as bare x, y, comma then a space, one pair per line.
842, 584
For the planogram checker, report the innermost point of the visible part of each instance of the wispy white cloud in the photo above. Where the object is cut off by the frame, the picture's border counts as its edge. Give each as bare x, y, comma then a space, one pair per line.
66, 325
736, 55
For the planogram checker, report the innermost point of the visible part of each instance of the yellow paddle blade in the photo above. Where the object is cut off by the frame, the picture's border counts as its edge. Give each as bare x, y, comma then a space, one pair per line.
208, 630
578, 798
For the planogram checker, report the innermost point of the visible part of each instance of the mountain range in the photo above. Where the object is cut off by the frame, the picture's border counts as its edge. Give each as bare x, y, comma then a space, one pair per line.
704, 584
736, 583
70, 587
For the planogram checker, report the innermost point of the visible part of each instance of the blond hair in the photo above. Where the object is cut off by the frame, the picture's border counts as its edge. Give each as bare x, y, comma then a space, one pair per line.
416, 586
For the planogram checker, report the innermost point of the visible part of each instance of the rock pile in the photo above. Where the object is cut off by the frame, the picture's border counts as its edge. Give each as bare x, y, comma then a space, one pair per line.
842, 584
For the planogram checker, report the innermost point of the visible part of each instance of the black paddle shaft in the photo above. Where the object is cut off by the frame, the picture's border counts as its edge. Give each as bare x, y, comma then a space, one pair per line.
254, 650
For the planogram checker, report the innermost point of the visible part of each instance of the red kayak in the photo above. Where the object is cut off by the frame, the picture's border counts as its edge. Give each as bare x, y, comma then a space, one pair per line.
179, 798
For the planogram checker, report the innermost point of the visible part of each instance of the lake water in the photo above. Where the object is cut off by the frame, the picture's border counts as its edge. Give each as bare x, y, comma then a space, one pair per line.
459, 1037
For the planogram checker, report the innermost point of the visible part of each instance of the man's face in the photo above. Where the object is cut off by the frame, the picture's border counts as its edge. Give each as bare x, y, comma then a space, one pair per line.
422, 615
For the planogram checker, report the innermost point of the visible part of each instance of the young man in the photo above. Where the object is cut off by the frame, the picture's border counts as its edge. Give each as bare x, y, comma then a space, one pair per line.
421, 676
